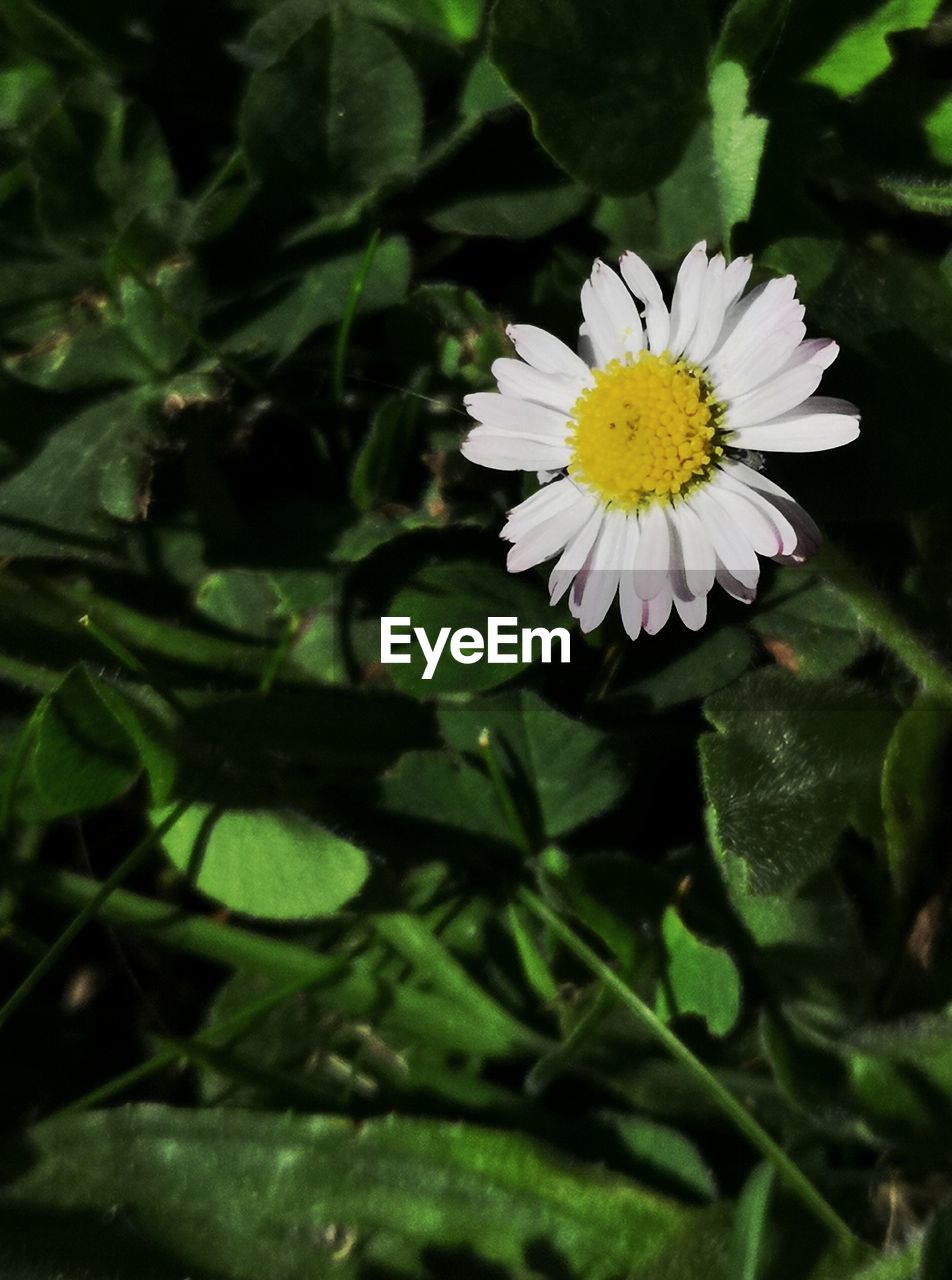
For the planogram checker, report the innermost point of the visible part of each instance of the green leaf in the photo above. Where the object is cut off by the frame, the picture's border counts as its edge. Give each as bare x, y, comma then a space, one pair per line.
683, 208
462, 594
278, 866
614, 95
336, 117
248, 601
516, 215
145, 718
443, 793
663, 1150
938, 130
713, 661
738, 139
457, 19
921, 195
91, 349
381, 459
161, 311
699, 978
807, 626
28, 91
119, 146
617, 897
244, 1194
912, 786
319, 298
566, 770
747, 29
82, 757
56, 504
484, 92
278, 28
863, 53
793, 764
877, 299
37, 1243
750, 1225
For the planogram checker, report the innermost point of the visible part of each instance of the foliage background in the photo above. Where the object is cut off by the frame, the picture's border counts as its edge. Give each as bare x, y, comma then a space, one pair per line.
253, 255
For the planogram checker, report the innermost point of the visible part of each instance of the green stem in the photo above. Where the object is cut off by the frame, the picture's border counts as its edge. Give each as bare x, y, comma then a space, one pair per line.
875, 612
90, 908
350, 311
171, 643
131, 663
518, 828
278, 654
795, 1179
222, 943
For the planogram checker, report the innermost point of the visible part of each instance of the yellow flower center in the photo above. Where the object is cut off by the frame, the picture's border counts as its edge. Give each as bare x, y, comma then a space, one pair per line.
647, 431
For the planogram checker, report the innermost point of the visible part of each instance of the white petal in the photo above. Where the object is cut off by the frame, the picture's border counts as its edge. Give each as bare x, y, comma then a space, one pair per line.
735, 279
539, 507
586, 349
712, 308
629, 602
808, 535
520, 381
550, 536
727, 482
507, 451
750, 519
819, 351
794, 434
694, 553
733, 551
611, 318
749, 320
735, 589
545, 352
574, 556
777, 396
504, 413
657, 610
687, 297
641, 280
775, 353
693, 611
595, 587
619, 307
653, 556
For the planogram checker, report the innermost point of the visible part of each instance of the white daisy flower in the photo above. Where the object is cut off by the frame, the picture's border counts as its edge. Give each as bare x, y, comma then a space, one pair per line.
647, 432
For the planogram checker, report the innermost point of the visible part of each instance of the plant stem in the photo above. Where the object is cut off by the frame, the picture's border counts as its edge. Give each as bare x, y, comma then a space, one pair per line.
131, 663
795, 1179
875, 612
504, 795
350, 311
222, 943
278, 654
124, 869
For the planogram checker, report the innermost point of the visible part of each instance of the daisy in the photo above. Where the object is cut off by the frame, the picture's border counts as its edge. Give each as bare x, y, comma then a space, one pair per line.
643, 443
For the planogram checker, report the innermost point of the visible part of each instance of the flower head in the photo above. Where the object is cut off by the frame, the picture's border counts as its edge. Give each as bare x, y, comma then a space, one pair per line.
649, 432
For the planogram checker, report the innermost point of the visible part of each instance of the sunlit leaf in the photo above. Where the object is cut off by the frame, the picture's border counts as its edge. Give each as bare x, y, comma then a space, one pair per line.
275, 865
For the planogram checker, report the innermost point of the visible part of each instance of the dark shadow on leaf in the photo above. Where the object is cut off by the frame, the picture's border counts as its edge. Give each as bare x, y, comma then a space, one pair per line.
38, 1242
